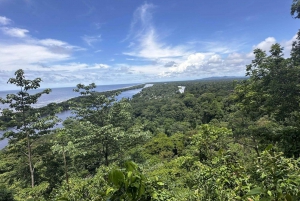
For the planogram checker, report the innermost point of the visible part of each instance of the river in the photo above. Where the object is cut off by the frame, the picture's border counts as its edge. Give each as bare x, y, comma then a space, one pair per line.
62, 94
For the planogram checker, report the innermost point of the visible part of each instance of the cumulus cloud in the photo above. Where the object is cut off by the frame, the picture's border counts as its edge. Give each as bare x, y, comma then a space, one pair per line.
15, 32
266, 44
4, 20
217, 63
196, 61
287, 45
203, 64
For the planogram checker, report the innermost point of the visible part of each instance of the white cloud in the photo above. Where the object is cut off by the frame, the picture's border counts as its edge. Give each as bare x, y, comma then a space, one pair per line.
196, 61
208, 58
4, 20
266, 44
141, 21
30, 53
150, 48
27, 56
146, 43
104, 66
15, 32
50, 59
74, 66
236, 58
215, 58
150, 57
219, 47
52, 42
91, 39
287, 45
57, 46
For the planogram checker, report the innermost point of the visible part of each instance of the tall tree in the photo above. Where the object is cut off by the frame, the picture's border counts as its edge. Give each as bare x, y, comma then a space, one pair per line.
295, 8
106, 117
272, 93
29, 124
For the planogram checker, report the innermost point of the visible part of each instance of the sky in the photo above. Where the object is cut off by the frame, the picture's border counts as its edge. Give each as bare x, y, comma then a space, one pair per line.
132, 41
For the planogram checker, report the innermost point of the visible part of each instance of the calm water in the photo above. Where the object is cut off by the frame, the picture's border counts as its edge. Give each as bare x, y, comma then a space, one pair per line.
62, 94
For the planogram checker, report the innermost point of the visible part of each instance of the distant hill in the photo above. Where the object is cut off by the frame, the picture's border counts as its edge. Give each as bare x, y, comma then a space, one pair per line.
204, 79
224, 78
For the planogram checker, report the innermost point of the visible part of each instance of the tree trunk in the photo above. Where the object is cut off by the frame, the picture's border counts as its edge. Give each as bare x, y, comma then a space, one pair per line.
106, 154
31, 168
256, 149
66, 167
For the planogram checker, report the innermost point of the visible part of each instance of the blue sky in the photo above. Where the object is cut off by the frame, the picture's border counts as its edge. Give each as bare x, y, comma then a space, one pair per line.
131, 41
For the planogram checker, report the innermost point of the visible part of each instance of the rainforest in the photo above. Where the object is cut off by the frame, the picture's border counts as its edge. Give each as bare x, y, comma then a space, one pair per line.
203, 140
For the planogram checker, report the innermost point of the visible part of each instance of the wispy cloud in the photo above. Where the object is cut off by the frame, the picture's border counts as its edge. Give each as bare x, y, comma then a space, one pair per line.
15, 32
20, 50
194, 59
51, 59
4, 20
90, 40
217, 46
145, 42
27, 56
97, 25
141, 21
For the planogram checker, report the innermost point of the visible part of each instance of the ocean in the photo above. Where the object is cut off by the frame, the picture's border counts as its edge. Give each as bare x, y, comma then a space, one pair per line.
62, 94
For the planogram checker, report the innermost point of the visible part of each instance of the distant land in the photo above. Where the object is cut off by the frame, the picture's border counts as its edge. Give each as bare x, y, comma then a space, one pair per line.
207, 79
223, 78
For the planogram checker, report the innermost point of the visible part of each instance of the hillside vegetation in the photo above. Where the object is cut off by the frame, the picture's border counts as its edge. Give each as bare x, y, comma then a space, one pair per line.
219, 140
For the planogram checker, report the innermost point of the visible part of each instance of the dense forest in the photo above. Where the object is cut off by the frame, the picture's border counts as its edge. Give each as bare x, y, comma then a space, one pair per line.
218, 140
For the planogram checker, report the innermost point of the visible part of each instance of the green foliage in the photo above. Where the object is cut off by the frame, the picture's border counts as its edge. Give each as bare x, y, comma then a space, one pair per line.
29, 124
5, 194
207, 143
37, 193
295, 8
210, 140
278, 178
224, 179
271, 96
162, 145
105, 118
129, 185
89, 188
